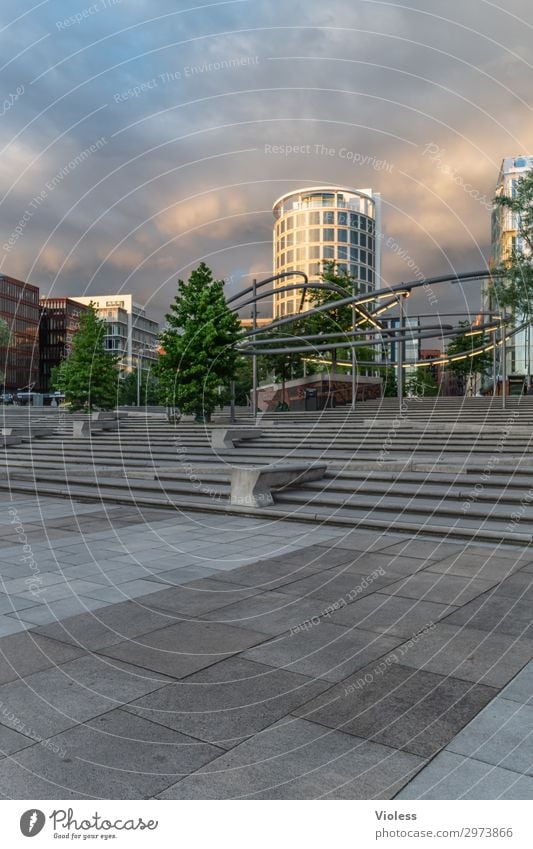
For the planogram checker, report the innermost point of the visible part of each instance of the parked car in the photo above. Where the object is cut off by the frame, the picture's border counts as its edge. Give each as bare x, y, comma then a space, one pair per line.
6, 398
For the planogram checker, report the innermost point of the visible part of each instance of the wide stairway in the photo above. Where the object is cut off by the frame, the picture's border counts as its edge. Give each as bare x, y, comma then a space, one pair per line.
456, 467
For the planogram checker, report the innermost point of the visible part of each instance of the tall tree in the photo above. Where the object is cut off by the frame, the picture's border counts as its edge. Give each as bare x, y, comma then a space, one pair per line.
338, 319
4, 342
513, 290
199, 354
88, 376
462, 345
422, 382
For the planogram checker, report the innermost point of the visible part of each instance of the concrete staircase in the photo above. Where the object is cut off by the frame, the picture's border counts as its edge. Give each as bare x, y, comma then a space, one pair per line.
455, 467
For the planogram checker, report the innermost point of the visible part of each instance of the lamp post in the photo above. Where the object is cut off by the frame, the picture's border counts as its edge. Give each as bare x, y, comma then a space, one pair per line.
254, 358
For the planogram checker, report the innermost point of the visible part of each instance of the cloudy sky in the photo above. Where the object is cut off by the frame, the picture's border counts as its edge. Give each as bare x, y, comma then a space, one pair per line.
139, 138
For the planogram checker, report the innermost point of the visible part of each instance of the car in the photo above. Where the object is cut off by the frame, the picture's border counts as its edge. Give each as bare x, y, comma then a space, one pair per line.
6, 398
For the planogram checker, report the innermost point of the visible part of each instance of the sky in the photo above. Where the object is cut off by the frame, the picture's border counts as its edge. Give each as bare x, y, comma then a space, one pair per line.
140, 138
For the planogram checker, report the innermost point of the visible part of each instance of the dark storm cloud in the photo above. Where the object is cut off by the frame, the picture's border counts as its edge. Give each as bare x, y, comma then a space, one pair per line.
184, 108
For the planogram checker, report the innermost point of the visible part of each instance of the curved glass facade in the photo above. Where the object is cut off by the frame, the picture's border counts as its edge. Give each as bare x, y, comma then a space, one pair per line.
317, 224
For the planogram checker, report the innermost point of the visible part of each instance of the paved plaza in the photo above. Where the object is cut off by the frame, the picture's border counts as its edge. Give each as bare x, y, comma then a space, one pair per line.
158, 654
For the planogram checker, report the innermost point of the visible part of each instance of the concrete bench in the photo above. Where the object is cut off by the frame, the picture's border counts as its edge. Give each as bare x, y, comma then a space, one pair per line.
94, 423
226, 437
252, 487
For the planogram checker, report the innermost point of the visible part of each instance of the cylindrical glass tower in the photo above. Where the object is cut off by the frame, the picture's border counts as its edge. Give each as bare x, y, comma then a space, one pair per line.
329, 223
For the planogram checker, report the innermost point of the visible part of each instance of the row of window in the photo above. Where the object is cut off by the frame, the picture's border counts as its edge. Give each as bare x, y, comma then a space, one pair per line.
327, 234
313, 219
327, 252
9, 307
357, 272
22, 292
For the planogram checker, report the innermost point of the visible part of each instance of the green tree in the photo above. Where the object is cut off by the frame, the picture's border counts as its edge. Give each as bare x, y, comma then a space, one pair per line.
4, 342
338, 319
88, 376
199, 352
149, 389
462, 345
513, 290
422, 382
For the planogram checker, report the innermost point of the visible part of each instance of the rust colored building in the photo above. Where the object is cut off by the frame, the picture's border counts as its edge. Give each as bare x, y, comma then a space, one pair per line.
60, 321
19, 307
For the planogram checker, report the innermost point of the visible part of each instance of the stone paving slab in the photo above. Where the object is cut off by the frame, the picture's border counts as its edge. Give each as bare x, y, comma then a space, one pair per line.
179, 650
451, 776
323, 651
412, 710
214, 681
114, 756
464, 652
57, 698
297, 759
229, 701
392, 615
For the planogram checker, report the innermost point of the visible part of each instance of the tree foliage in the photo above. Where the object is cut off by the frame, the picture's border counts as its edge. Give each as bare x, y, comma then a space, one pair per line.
513, 290
422, 383
88, 376
464, 344
338, 320
149, 389
199, 354
4, 342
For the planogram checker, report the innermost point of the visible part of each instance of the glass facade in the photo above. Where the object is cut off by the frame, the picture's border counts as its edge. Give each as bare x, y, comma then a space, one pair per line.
323, 224
19, 307
60, 321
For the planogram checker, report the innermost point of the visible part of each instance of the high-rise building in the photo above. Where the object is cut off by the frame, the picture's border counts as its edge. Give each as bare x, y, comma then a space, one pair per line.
505, 239
331, 223
131, 335
60, 321
19, 307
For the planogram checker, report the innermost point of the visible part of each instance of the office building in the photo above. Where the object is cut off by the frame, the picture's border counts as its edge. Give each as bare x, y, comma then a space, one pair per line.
60, 321
326, 223
131, 335
19, 360
505, 239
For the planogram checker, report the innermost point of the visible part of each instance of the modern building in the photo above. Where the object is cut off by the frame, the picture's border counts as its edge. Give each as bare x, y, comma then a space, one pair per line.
19, 307
60, 321
331, 223
131, 335
504, 240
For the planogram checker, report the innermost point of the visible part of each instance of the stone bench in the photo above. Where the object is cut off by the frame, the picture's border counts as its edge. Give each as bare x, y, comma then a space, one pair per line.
94, 423
252, 487
226, 437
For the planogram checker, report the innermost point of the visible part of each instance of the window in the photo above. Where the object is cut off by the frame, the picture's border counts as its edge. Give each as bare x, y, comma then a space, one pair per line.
342, 252
289, 239
362, 223
362, 240
354, 254
314, 235
282, 259
301, 236
300, 220
314, 269
300, 254
354, 237
328, 252
342, 235
362, 256
314, 218
328, 218
290, 256
290, 222
343, 268
328, 234
314, 252
282, 226
342, 219
354, 220
282, 243
362, 272
354, 271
